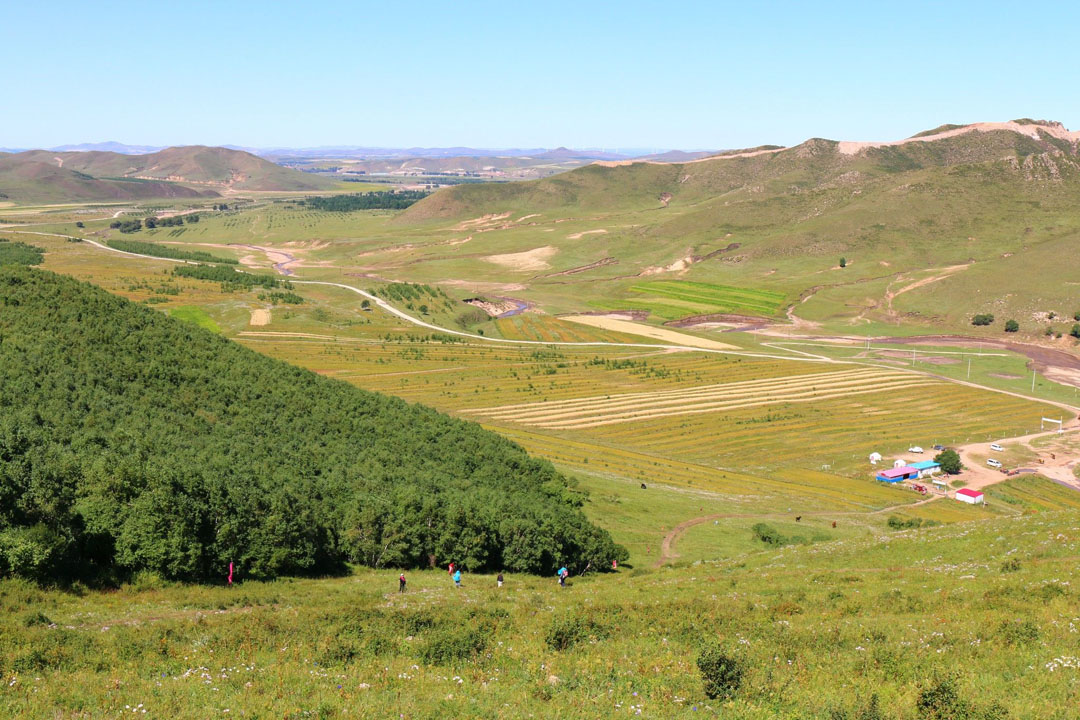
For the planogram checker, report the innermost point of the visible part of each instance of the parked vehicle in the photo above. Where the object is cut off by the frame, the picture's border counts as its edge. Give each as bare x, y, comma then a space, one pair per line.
914, 449
997, 448
939, 447
993, 463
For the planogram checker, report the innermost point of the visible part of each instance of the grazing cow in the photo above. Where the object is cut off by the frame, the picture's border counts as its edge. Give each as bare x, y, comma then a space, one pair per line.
798, 518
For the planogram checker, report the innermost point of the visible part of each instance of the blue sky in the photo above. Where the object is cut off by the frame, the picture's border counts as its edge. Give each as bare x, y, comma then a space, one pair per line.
507, 74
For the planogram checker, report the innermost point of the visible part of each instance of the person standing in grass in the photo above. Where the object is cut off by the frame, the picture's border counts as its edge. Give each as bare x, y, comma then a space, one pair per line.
499, 579
450, 570
562, 576
457, 578
401, 583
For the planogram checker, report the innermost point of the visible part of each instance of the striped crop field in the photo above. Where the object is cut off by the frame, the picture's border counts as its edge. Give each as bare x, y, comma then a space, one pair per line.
598, 411
742, 491
679, 298
837, 432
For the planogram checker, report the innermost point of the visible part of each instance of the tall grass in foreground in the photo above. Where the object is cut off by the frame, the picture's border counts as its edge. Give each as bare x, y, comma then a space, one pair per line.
977, 620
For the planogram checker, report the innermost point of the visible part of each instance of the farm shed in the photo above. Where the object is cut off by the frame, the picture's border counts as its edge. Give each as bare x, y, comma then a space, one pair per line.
927, 468
898, 474
972, 497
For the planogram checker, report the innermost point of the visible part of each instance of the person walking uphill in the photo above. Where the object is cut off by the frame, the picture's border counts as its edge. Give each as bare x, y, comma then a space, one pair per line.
562, 576
457, 578
499, 579
401, 583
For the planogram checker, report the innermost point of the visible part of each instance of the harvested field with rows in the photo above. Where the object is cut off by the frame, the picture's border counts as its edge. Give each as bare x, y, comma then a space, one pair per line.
610, 410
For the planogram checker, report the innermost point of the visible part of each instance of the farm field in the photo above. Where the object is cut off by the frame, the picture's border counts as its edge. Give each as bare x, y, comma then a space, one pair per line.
747, 435
674, 299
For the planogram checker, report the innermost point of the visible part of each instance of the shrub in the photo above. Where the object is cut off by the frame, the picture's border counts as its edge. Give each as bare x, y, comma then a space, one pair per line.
1011, 326
567, 631
843, 262
768, 534
1018, 632
982, 319
943, 702
36, 618
1011, 565
721, 674
1051, 590
453, 645
899, 523
1075, 332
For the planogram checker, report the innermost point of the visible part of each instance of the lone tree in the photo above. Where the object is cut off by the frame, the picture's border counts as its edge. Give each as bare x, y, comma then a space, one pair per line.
720, 673
949, 461
1075, 332
982, 319
1011, 326
843, 262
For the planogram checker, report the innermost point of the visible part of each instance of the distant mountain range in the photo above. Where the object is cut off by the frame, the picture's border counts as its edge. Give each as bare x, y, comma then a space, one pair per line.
191, 171
365, 152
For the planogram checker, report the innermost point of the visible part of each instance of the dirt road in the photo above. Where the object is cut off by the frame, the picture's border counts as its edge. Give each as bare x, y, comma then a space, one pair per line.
978, 475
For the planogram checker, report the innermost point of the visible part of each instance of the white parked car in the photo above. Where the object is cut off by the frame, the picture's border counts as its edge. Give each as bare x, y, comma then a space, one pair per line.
993, 463
997, 448
915, 449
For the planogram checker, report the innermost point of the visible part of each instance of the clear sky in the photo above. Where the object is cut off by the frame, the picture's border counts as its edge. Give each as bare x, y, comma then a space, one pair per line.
527, 74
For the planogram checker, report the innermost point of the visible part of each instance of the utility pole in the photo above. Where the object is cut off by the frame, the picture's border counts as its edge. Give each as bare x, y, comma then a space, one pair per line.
1032, 381
969, 369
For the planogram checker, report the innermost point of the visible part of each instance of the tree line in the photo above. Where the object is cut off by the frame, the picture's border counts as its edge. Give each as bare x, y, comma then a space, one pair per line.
131, 441
164, 251
380, 200
230, 278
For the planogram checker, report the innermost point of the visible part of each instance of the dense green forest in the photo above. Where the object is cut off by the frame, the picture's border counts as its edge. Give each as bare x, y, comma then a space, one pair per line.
382, 200
19, 253
164, 251
131, 441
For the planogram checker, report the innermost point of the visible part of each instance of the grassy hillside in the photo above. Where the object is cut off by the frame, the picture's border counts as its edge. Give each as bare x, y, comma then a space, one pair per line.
132, 441
996, 202
43, 176
25, 178
974, 621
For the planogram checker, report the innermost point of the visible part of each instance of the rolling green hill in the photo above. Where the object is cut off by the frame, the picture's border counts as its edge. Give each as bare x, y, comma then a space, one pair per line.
132, 441
190, 171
